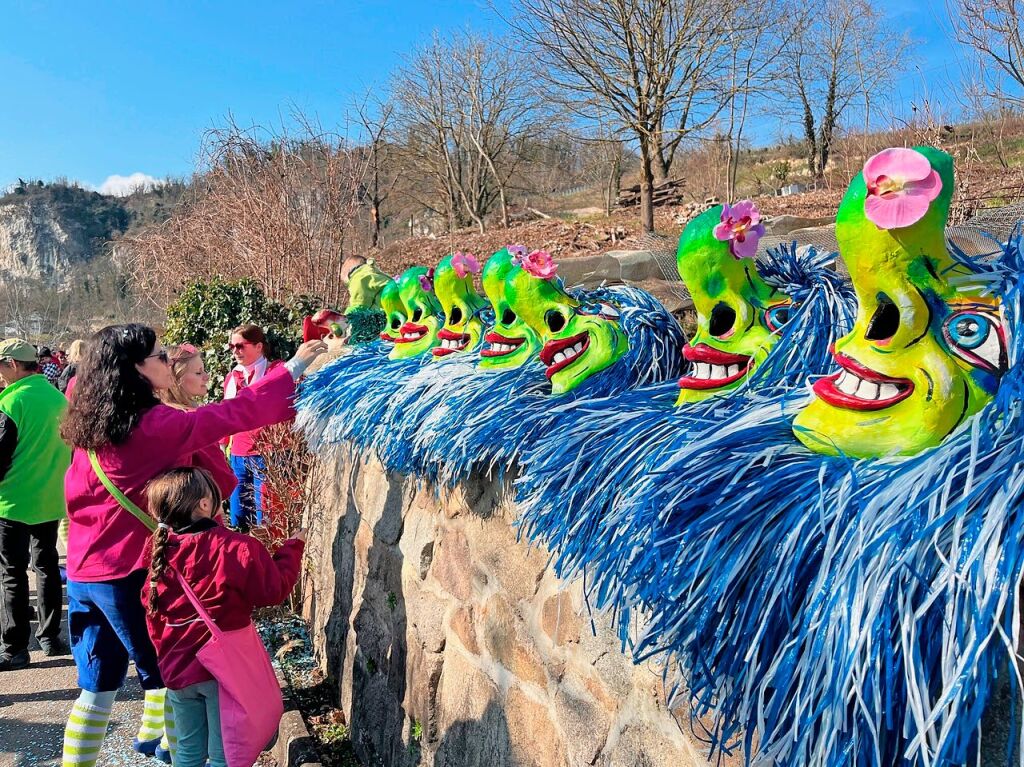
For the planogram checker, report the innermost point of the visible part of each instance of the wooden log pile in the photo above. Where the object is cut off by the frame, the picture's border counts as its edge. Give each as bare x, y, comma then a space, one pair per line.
667, 193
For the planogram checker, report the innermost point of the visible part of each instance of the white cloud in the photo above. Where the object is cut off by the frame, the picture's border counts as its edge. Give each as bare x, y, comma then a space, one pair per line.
121, 186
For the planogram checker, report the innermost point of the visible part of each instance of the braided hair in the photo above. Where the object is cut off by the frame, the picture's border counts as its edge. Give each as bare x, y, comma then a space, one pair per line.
174, 497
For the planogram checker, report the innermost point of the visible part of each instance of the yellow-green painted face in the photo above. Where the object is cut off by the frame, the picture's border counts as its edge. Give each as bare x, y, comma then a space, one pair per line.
577, 340
463, 327
418, 333
394, 311
923, 355
511, 342
739, 316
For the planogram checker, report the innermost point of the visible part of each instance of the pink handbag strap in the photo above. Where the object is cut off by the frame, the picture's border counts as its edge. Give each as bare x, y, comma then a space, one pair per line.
207, 619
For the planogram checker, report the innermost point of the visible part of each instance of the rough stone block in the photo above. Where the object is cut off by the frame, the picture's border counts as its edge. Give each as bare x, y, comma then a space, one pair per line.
536, 739
559, 620
463, 625
584, 724
452, 566
508, 643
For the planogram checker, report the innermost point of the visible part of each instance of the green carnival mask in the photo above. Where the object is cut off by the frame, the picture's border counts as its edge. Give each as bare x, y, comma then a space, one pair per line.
511, 342
365, 285
394, 311
578, 340
922, 356
739, 316
463, 327
418, 333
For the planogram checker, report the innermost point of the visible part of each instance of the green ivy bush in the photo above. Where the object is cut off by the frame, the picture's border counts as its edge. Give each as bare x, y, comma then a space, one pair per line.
206, 312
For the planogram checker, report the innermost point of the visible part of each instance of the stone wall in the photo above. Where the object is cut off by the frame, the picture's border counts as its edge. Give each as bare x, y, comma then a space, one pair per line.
454, 644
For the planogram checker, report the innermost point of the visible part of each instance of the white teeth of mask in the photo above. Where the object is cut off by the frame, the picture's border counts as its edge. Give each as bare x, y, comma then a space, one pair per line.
702, 370
888, 391
867, 390
847, 383
559, 357
733, 370
718, 371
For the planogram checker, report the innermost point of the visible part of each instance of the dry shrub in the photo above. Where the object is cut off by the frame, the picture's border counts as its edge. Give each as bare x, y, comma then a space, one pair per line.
280, 207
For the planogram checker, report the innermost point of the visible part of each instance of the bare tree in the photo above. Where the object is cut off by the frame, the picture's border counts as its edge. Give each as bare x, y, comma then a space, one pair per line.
377, 120
992, 28
466, 104
656, 69
825, 71
279, 207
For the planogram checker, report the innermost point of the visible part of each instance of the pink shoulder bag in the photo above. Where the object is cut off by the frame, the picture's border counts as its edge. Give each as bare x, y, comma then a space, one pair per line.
250, 697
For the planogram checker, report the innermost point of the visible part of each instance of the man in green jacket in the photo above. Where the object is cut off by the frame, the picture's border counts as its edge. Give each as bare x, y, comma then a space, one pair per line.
33, 461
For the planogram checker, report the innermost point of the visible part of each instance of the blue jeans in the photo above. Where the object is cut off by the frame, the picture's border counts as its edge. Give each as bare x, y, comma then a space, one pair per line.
247, 499
197, 723
107, 626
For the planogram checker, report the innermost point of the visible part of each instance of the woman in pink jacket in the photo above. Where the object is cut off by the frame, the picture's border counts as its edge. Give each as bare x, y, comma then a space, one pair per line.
117, 418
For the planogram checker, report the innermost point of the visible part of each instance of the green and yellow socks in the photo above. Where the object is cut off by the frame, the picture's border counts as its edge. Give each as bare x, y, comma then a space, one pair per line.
86, 728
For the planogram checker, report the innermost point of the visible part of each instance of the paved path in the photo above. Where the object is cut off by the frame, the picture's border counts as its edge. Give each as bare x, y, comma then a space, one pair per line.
34, 705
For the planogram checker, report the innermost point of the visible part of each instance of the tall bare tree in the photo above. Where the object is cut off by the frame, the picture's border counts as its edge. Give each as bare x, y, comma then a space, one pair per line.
376, 120
825, 70
656, 69
992, 28
466, 104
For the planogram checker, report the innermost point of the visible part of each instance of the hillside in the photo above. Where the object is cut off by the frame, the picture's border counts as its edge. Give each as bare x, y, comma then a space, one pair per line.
46, 230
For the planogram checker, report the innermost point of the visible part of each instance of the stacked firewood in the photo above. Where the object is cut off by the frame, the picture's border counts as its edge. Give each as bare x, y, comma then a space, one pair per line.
667, 193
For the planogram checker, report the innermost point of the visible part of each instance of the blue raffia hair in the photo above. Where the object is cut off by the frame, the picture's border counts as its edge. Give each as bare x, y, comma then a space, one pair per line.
821, 610
493, 415
342, 404
583, 510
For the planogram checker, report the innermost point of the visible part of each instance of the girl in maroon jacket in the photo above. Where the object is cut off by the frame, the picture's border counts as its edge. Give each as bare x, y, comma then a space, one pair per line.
231, 573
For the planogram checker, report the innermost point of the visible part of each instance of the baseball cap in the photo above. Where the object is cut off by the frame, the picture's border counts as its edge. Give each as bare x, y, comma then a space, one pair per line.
16, 349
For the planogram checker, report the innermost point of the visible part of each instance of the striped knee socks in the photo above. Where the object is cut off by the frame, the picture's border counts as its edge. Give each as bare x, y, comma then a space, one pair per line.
86, 728
170, 739
152, 726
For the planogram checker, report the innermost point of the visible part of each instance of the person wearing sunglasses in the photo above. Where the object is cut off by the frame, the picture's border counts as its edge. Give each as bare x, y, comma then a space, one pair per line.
253, 353
123, 436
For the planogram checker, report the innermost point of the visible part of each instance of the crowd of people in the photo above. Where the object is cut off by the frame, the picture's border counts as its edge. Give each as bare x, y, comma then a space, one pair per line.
113, 443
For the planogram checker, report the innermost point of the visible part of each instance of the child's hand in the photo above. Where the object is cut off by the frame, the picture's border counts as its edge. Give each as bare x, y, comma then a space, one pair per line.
300, 535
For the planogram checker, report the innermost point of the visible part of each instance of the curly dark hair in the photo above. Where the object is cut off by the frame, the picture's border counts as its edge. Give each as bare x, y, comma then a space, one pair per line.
111, 395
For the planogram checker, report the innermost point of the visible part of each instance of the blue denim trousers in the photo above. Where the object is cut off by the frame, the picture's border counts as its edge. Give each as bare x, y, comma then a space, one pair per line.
197, 723
247, 499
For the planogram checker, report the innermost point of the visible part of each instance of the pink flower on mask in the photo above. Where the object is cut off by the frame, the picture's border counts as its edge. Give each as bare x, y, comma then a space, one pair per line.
741, 227
427, 281
518, 253
540, 264
465, 264
901, 185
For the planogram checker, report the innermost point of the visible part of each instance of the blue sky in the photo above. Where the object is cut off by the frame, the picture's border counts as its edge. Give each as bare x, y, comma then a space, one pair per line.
90, 90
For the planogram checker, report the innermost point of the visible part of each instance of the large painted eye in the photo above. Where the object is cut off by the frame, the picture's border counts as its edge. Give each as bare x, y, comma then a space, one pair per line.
776, 317
977, 337
507, 316
723, 318
417, 314
555, 321
456, 317
396, 322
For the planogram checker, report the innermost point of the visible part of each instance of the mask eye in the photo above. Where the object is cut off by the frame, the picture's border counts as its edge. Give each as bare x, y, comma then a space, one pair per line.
507, 316
555, 321
977, 338
456, 316
396, 322
776, 317
417, 315
884, 322
723, 317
